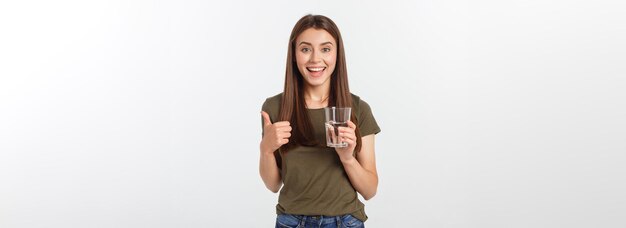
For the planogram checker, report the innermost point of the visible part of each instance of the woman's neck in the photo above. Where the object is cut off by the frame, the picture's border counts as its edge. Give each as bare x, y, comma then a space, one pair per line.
316, 97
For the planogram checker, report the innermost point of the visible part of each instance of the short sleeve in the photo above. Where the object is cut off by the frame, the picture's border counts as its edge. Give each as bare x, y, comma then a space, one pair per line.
265, 109
271, 106
367, 122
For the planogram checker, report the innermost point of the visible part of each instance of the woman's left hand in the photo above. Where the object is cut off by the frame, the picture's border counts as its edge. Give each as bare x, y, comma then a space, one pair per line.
348, 135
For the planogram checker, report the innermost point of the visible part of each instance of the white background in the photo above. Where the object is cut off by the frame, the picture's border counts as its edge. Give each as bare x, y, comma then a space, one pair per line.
146, 113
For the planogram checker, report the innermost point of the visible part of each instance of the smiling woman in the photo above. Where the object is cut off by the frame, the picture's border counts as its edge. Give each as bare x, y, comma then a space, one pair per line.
320, 183
316, 57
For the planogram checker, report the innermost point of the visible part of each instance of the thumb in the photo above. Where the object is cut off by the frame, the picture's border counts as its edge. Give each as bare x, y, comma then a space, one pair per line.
266, 118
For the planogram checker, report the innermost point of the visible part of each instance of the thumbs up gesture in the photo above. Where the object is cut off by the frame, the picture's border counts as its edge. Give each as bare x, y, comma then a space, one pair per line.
274, 134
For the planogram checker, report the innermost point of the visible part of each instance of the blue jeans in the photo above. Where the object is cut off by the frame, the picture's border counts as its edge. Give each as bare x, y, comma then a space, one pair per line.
303, 221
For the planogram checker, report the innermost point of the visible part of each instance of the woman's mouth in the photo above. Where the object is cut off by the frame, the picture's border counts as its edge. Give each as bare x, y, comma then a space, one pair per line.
316, 71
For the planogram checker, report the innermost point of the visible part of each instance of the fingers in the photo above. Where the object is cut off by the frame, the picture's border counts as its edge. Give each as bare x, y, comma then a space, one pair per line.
280, 131
283, 128
266, 118
347, 134
351, 125
348, 140
283, 133
282, 124
350, 129
282, 137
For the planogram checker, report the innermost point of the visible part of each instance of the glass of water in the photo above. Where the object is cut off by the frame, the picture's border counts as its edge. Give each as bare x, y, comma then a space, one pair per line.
335, 118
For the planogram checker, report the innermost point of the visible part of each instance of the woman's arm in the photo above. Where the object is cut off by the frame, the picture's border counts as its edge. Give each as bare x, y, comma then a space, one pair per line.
268, 169
362, 169
274, 136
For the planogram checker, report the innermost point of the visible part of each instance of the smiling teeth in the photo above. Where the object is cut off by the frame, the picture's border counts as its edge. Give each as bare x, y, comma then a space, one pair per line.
316, 69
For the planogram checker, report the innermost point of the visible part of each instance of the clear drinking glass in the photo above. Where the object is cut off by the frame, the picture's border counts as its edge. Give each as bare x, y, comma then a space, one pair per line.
335, 118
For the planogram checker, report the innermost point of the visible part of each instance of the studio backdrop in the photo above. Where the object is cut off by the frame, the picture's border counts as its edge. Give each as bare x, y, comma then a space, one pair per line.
146, 113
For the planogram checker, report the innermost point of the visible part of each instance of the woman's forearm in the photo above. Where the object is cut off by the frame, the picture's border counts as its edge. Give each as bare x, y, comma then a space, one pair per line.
269, 170
364, 181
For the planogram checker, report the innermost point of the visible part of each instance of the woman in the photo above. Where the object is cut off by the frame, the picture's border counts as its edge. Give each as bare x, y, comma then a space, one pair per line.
320, 183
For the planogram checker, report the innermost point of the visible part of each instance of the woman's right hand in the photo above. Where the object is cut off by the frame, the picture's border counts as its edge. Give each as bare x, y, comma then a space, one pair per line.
274, 134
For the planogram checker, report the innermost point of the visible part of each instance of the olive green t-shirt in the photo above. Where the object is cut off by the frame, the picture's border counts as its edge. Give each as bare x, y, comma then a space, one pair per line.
315, 182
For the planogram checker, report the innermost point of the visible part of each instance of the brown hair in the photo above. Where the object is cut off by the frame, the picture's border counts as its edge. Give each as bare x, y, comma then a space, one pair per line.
293, 106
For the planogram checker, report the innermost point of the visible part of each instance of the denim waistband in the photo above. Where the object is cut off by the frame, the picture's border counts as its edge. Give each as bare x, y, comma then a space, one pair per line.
319, 219
291, 220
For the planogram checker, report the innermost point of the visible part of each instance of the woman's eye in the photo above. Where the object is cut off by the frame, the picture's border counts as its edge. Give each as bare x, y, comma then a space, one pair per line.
305, 49
325, 49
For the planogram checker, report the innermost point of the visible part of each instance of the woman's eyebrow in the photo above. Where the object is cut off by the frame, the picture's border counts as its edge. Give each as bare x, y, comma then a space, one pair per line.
307, 43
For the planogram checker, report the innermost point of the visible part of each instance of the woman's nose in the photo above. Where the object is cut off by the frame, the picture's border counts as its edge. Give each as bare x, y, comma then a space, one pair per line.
314, 57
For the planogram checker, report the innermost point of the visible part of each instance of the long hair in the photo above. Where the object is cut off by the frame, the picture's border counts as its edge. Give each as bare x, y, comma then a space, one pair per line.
293, 106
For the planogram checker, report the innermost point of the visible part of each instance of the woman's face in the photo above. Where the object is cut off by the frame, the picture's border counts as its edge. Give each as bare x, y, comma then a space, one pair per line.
316, 54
